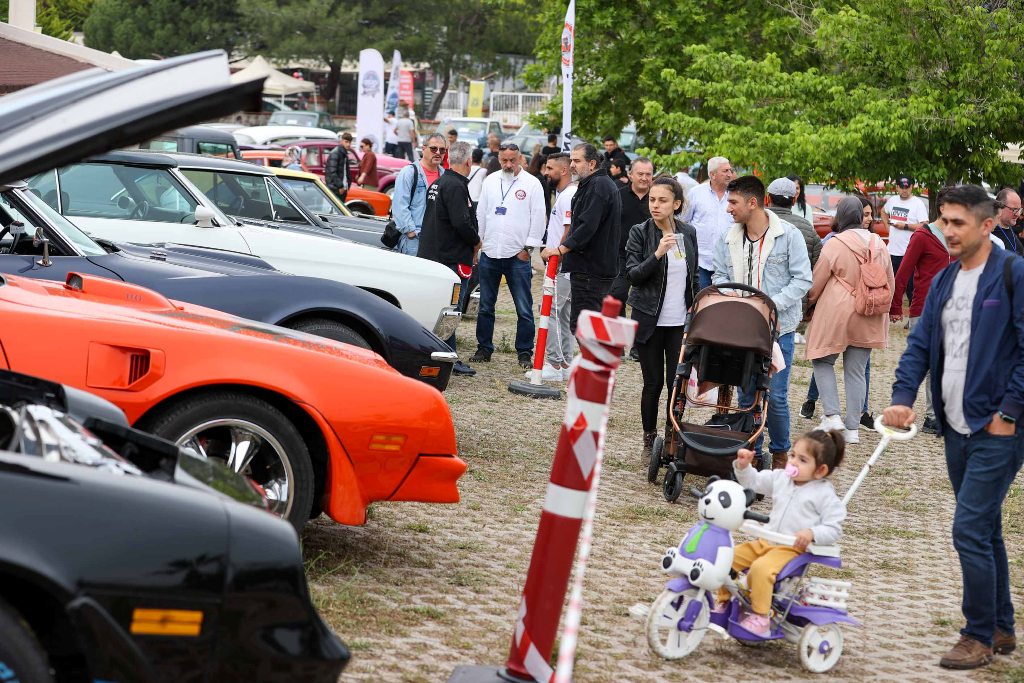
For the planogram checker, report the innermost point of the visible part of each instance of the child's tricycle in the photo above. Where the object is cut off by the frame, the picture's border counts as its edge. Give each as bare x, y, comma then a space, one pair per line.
806, 610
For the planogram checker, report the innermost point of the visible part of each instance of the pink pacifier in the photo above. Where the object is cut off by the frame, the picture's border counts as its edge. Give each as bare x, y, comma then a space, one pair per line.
792, 470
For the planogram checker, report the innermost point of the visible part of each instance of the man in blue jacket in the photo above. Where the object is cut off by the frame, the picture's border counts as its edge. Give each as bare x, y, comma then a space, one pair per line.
971, 338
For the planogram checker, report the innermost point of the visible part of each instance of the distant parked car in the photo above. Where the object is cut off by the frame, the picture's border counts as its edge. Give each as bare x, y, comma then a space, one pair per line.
824, 200
357, 199
472, 130
281, 135
315, 153
309, 119
207, 140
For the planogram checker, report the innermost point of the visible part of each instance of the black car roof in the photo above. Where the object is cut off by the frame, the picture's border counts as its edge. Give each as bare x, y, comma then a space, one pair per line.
205, 133
168, 160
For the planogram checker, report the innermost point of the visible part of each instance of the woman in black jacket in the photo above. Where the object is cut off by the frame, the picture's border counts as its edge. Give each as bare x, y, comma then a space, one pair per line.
661, 264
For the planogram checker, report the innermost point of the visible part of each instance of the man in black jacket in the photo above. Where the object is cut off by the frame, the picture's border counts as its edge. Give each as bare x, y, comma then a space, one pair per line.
591, 250
612, 151
449, 233
336, 171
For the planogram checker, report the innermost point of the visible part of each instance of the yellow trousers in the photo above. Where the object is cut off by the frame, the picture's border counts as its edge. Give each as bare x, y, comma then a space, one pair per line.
765, 561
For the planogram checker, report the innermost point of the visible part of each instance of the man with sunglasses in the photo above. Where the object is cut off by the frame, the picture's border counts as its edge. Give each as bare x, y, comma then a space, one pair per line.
511, 216
1008, 212
407, 203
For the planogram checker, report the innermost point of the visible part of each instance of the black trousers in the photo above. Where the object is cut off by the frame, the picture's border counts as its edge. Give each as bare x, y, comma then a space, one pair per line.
896, 260
587, 293
620, 286
659, 357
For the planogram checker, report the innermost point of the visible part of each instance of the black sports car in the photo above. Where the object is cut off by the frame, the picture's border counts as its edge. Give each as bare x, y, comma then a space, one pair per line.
198, 275
108, 574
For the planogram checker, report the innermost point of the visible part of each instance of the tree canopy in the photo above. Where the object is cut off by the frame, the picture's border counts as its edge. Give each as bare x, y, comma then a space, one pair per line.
832, 91
162, 28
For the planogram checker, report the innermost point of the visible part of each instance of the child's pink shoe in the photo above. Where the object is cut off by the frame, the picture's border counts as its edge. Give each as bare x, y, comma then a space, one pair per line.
757, 624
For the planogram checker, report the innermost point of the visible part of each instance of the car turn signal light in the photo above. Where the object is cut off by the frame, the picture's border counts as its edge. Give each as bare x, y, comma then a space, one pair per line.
387, 442
166, 622
456, 290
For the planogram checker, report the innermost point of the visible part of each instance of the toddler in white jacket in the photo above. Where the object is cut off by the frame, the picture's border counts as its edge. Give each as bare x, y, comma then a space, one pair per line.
804, 504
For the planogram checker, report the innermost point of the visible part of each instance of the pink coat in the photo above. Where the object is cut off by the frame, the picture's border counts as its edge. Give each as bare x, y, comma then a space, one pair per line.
834, 323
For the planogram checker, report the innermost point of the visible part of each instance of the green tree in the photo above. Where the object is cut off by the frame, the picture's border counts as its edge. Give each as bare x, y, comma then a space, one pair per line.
57, 18
903, 87
162, 28
622, 48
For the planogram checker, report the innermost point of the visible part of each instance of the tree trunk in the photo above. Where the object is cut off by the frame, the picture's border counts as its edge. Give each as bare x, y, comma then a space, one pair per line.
333, 93
435, 104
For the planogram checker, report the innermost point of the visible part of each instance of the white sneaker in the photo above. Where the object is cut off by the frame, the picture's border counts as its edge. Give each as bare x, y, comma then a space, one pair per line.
830, 422
566, 372
548, 374
851, 435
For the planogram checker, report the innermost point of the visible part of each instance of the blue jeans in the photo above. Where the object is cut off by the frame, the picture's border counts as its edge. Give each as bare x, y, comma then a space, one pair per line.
704, 277
777, 419
812, 388
981, 468
518, 274
408, 246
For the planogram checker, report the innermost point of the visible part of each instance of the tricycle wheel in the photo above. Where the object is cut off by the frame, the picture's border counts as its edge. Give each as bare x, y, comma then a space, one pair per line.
673, 484
820, 647
654, 464
663, 633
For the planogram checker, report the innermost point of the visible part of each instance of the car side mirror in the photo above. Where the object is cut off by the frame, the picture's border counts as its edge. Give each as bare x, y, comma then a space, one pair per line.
39, 239
204, 217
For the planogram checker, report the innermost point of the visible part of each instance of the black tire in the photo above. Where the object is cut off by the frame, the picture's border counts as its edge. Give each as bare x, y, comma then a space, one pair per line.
654, 464
673, 485
177, 420
473, 284
360, 207
339, 332
21, 657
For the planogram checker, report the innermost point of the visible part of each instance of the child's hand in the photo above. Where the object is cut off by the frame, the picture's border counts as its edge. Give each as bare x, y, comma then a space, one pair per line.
803, 539
744, 457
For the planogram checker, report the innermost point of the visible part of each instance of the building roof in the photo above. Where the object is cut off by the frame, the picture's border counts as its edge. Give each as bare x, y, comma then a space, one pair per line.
30, 58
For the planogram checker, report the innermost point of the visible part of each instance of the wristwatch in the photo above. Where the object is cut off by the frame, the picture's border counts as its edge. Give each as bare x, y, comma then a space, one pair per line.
1009, 419
528, 250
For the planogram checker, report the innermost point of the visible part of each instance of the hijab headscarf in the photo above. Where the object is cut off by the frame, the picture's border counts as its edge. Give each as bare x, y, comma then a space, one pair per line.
849, 214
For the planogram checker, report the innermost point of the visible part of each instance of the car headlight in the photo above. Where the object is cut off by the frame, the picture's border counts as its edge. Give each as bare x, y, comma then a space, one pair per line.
456, 291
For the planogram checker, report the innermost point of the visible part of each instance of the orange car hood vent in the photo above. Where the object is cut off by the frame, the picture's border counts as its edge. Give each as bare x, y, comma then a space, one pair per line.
105, 290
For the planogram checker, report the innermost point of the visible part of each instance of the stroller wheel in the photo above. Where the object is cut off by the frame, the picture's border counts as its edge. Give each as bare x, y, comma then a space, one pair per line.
673, 484
654, 464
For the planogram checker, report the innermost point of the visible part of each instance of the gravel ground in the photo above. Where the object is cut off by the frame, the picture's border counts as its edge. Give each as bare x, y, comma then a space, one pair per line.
421, 589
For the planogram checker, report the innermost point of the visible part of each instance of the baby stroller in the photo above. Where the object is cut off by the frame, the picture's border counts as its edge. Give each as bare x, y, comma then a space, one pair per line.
728, 338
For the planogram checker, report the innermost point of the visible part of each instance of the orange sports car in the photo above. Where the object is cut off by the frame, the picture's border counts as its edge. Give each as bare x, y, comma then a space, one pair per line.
319, 425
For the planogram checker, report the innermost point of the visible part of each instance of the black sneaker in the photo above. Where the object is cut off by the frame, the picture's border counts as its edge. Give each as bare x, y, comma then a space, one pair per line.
526, 359
867, 420
807, 410
482, 355
930, 426
461, 368
634, 354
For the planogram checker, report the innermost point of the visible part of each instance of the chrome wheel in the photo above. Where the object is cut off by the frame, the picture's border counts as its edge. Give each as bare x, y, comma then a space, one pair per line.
249, 450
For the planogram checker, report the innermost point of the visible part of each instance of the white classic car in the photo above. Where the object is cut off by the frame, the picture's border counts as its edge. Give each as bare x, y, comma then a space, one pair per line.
280, 135
145, 198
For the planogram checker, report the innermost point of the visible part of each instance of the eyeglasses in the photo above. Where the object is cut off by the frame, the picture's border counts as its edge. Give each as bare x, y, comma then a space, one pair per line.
436, 150
513, 147
1015, 212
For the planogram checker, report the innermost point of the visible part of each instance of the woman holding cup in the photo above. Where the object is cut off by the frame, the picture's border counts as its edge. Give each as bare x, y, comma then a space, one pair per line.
661, 265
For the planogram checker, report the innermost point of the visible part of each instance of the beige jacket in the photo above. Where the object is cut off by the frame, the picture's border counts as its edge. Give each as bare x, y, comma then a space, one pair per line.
834, 324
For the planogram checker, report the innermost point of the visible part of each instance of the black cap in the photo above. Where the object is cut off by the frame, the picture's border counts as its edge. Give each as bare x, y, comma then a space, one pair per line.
903, 181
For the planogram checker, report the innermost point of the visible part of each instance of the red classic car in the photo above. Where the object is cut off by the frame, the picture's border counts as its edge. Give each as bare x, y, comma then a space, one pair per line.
314, 157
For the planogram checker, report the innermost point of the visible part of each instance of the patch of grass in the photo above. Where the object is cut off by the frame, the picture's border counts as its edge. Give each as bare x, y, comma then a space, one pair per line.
467, 578
1013, 510
896, 532
944, 622
643, 513
1014, 675
428, 612
419, 527
504, 344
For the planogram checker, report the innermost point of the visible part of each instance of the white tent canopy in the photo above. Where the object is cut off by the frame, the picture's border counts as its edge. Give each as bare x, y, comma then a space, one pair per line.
276, 83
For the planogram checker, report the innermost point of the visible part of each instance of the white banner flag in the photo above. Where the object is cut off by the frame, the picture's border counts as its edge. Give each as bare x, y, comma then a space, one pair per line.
391, 103
370, 105
568, 45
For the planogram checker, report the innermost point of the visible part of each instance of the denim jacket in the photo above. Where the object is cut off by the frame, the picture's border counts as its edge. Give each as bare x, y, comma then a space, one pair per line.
784, 273
409, 216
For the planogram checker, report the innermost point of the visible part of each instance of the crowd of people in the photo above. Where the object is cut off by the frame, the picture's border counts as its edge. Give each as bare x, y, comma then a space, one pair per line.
654, 242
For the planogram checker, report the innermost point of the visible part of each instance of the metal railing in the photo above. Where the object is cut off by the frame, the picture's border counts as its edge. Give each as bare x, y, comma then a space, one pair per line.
512, 108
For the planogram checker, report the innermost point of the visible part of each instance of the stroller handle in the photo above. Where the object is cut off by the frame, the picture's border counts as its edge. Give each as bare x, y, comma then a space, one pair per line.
721, 451
894, 433
740, 286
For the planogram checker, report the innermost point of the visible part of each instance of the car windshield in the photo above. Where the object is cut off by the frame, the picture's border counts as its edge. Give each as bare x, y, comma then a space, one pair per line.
468, 129
108, 190
294, 118
312, 196
68, 229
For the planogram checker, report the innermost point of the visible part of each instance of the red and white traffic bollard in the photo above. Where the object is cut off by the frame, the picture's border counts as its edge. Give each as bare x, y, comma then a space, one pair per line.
535, 387
602, 337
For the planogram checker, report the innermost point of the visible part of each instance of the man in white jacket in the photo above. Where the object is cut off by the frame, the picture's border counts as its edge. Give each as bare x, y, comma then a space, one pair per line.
511, 216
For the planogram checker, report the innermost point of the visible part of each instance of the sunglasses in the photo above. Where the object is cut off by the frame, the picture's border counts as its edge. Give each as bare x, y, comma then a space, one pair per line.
513, 147
436, 150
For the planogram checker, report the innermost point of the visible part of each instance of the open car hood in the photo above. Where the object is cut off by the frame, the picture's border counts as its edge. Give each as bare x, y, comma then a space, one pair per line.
68, 119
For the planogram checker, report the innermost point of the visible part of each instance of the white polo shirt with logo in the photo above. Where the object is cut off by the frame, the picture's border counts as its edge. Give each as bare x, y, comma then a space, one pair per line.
511, 214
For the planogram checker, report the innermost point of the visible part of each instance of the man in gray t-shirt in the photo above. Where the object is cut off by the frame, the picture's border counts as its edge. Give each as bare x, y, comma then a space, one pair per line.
405, 131
970, 338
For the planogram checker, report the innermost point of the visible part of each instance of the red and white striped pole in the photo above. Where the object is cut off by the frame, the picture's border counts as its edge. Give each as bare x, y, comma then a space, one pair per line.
602, 337
535, 387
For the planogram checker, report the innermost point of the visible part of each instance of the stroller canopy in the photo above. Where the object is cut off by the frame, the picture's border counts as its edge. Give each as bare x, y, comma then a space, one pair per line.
735, 321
